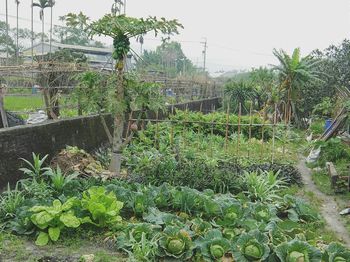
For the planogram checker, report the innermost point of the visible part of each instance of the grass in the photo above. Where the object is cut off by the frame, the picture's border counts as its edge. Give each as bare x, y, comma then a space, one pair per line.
33, 103
18, 248
23, 103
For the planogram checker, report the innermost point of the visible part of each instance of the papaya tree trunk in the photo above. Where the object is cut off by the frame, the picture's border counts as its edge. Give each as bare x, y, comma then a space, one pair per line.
119, 119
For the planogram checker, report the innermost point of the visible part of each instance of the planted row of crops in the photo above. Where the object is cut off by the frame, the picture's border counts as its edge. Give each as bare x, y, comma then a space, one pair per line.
154, 222
192, 154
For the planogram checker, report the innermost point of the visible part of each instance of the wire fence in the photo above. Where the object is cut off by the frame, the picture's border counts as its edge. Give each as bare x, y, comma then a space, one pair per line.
43, 79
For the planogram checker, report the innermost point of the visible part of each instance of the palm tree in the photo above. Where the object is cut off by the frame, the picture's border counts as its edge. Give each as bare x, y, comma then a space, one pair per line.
17, 49
42, 4
295, 72
51, 3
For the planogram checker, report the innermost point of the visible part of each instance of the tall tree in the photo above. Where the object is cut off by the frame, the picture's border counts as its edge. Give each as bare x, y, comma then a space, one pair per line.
121, 28
295, 72
42, 4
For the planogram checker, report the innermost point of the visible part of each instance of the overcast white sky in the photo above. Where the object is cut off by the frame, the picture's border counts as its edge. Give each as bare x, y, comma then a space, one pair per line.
240, 33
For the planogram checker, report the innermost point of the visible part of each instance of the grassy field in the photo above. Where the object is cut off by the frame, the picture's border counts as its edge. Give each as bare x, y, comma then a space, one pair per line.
34, 103
23, 103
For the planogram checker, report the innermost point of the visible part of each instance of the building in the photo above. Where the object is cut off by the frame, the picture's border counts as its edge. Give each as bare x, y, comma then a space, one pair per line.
97, 57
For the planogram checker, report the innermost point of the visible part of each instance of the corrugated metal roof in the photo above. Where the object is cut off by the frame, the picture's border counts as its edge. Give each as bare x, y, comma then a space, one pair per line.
88, 49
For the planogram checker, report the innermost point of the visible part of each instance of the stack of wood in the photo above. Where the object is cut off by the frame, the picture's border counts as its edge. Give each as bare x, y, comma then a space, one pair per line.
336, 126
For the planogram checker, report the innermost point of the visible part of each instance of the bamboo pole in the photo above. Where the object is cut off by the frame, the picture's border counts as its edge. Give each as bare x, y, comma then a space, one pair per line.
262, 135
250, 128
274, 134
157, 131
239, 128
227, 125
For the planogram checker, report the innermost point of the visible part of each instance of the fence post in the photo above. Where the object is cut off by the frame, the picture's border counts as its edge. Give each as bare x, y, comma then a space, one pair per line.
239, 127
250, 128
227, 119
2, 107
262, 134
274, 134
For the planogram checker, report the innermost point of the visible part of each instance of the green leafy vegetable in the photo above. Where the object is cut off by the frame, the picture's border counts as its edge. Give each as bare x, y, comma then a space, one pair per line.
103, 206
176, 243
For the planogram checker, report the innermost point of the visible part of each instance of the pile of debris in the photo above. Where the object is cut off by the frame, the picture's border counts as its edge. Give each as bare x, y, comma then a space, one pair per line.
72, 159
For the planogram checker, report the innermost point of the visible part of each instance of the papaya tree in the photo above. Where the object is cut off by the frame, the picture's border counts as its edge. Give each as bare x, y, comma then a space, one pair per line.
121, 29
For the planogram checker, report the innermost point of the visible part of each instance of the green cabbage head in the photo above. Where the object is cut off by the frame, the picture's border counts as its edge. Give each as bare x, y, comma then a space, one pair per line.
176, 243
336, 252
297, 251
251, 246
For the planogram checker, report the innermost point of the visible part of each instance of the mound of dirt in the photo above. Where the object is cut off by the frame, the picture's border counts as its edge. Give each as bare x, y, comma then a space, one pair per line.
72, 159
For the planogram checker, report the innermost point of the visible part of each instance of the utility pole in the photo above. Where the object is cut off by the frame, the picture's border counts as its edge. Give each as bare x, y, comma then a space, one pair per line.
204, 53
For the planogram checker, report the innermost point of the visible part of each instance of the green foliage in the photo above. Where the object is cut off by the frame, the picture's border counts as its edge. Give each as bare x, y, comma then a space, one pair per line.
103, 207
10, 201
333, 150
325, 108
176, 243
51, 220
239, 93
213, 246
296, 250
317, 127
167, 57
58, 180
251, 246
336, 252
263, 187
96, 93
35, 170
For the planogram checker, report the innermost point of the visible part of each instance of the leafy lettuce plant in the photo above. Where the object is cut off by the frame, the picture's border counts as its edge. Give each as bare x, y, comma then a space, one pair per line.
252, 246
297, 251
176, 243
213, 246
336, 252
52, 219
103, 207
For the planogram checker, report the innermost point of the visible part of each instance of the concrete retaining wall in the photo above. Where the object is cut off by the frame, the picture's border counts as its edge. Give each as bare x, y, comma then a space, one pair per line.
51, 137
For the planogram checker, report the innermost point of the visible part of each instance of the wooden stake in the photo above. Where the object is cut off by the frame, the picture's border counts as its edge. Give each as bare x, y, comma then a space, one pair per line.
273, 134
239, 127
250, 128
2, 107
227, 119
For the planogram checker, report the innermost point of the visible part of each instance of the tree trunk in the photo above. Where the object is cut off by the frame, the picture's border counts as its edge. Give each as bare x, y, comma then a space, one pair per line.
119, 120
51, 32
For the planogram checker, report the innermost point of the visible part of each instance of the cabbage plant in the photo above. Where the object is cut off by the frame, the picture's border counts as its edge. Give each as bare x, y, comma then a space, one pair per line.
213, 246
252, 246
297, 251
176, 243
336, 252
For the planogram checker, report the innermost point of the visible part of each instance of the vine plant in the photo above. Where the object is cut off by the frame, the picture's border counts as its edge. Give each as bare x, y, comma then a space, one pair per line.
122, 28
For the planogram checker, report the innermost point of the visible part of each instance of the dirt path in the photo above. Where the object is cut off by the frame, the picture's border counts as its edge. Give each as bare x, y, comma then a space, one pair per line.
329, 208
